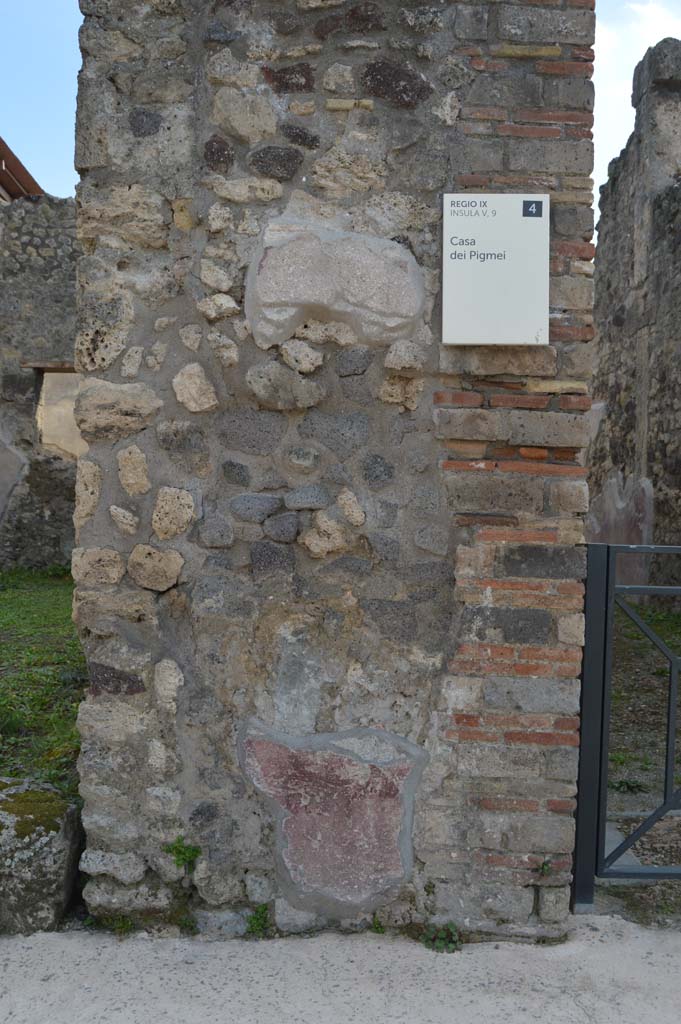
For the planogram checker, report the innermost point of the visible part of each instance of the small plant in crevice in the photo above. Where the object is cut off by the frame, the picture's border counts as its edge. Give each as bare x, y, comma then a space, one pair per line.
544, 869
441, 938
376, 926
118, 924
184, 854
259, 925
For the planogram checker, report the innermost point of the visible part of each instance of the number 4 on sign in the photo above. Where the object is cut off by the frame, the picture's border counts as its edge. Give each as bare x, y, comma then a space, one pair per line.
533, 208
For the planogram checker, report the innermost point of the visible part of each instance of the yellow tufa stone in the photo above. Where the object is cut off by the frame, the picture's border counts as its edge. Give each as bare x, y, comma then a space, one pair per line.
524, 51
557, 387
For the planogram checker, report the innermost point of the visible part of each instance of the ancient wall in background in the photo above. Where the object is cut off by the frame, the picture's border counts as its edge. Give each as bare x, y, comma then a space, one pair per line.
329, 573
37, 325
635, 459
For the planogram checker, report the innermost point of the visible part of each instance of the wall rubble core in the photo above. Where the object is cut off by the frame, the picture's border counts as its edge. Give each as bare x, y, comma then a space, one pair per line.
325, 565
634, 456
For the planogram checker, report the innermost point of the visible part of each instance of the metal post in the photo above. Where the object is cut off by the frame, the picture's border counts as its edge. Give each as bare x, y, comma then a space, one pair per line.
591, 726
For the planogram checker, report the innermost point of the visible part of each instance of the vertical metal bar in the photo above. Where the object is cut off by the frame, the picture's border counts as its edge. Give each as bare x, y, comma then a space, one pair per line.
591, 729
606, 707
670, 766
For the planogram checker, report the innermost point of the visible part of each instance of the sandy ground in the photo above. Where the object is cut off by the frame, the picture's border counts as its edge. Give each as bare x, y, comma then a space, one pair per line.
610, 972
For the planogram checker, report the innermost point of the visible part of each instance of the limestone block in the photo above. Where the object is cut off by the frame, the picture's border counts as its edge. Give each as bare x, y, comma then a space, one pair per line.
88, 489
350, 507
131, 214
278, 387
217, 307
111, 411
127, 522
242, 190
124, 867
168, 679
131, 362
40, 840
107, 314
97, 565
173, 512
193, 389
224, 348
339, 78
225, 69
154, 569
106, 896
325, 537
300, 356
342, 172
132, 470
101, 612
247, 116
304, 265
319, 333
191, 336
404, 391
215, 276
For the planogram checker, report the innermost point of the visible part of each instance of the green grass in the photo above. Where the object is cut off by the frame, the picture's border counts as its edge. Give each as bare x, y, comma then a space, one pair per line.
42, 678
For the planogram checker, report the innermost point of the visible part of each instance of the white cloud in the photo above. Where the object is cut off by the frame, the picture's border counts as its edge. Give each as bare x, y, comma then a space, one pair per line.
621, 41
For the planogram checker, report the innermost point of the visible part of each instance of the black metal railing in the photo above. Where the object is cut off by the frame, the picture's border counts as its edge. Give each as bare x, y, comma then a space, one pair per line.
603, 595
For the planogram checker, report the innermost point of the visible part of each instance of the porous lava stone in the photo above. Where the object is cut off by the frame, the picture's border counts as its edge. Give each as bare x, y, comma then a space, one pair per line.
280, 162
325, 26
360, 18
218, 154
396, 83
365, 18
294, 78
217, 32
300, 136
106, 679
285, 24
144, 122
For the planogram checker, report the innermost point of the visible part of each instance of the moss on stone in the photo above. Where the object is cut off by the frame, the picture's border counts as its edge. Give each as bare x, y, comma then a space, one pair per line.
35, 809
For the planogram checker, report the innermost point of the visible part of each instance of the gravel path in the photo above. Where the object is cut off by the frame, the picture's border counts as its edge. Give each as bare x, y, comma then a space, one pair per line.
610, 972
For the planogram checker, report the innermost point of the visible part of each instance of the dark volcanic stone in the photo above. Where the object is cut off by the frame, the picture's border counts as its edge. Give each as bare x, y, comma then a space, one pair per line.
269, 557
376, 470
280, 162
257, 432
396, 83
308, 496
353, 361
236, 473
105, 679
300, 136
218, 154
255, 508
282, 528
285, 24
365, 18
217, 32
144, 122
294, 78
325, 26
343, 433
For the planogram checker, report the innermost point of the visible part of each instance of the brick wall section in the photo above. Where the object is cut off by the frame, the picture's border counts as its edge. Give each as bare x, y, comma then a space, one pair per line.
423, 582
634, 457
513, 433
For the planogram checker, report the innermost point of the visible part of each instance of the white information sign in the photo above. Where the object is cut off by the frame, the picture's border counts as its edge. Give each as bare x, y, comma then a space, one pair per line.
495, 276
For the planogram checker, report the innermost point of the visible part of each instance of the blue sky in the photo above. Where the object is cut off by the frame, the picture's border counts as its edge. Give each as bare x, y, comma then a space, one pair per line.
39, 62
